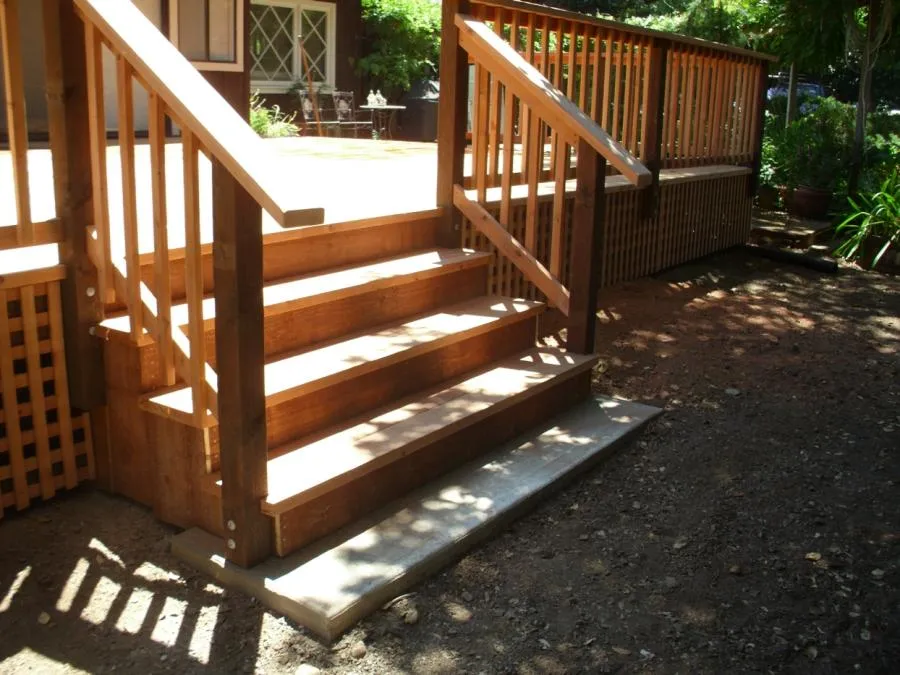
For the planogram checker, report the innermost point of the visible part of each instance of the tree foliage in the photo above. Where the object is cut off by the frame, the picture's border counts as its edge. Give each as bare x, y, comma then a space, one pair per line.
402, 42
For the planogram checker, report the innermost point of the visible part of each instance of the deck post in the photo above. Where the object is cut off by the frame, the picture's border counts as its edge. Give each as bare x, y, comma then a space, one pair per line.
240, 359
587, 248
760, 112
67, 115
452, 114
655, 109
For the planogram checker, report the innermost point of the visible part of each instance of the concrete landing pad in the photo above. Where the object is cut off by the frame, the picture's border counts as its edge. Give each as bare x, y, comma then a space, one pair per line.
333, 584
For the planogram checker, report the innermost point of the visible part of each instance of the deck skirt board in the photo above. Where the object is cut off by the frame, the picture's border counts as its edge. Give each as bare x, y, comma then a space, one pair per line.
319, 367
334, 583
310, 470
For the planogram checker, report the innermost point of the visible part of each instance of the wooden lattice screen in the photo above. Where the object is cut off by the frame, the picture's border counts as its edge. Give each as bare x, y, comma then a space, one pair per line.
45, 446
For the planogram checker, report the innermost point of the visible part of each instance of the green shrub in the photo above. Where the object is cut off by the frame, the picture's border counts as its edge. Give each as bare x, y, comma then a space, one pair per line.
814, 150
874, 220
271, 122
403, 42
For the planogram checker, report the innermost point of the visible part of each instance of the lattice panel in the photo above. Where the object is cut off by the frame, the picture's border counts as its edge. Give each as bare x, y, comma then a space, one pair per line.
45, 446
695, 218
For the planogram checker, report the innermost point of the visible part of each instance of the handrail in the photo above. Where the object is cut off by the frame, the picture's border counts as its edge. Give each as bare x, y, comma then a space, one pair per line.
527, 83
198, 106
568, 15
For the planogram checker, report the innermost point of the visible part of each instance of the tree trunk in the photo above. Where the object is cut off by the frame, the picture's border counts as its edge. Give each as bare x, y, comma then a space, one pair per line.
865, 95
792, 96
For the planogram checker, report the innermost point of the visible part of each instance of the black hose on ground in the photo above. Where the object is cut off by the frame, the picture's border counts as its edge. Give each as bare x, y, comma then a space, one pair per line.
814, 262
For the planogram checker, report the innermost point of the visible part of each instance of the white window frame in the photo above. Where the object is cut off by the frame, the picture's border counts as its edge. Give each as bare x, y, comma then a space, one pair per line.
330, 9
236, 66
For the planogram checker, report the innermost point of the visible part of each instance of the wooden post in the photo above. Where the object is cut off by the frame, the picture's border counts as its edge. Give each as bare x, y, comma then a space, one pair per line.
67, 110
655, 111
240, 358
452, 114
759, 124
587, 246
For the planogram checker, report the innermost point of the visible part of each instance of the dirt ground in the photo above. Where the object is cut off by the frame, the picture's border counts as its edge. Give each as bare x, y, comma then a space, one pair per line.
753, 529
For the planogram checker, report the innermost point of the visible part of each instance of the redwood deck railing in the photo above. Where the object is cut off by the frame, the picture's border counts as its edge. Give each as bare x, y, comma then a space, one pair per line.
561, 96
243, 184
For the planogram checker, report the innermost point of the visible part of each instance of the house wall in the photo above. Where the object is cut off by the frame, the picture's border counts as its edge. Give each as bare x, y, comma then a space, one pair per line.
234, 86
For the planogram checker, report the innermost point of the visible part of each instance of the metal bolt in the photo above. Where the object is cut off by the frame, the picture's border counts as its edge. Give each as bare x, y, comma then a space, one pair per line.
232, 544
91, 291
231, 525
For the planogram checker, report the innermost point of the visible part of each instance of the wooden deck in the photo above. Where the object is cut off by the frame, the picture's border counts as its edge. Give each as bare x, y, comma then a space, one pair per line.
352, 179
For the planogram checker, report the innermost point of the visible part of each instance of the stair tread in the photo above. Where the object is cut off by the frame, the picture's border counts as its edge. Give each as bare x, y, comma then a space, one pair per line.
301, 474
336, 283
326, 364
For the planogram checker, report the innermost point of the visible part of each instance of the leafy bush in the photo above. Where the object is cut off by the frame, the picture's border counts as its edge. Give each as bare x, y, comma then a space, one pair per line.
403, 42
874, 220
271, 122
814, 150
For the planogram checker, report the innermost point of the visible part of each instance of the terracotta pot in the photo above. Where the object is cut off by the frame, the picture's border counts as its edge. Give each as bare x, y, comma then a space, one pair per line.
807, 202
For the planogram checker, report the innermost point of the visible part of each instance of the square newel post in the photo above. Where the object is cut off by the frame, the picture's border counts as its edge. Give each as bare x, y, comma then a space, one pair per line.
68, 124
587, 246
240, 359
452, 114
654, 109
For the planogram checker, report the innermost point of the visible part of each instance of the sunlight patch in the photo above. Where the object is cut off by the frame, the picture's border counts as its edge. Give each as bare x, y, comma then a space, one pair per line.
14, 588
70, 590
105, 593
133, 615
168, 625
101, 548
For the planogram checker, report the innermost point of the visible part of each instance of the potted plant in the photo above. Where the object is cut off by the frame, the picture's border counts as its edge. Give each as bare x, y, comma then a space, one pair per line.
873, 226
810, 158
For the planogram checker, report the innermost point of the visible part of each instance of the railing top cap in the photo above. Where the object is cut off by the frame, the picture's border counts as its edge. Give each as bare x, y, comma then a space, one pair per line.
569, 15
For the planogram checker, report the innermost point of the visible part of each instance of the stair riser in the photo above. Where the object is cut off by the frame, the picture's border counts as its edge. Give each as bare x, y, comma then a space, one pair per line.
291, 331
330, 405
354, 500
284, 258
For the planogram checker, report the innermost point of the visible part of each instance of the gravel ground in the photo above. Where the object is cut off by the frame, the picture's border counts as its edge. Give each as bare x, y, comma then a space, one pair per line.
753, 529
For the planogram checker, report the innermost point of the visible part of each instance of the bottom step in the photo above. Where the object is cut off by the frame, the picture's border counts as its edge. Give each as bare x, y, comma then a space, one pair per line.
336, 582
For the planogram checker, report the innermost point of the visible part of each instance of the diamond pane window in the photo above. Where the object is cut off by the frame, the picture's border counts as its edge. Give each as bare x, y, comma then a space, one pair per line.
314, 41
272, 42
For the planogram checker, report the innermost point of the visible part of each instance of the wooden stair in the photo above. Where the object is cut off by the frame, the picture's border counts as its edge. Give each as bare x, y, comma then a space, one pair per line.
382, 372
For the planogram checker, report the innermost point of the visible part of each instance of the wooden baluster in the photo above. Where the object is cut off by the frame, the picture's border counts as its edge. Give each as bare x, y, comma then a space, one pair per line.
583, 81
559, 209
676, 56
608, 84
545, 71
194, 277
683, 105
556, 78
571, 60
125, 98
596, 82
97, 123
702, 124
619, 83
452, 120
16, 122
524, 112
587, 248
630, 83
161, 281
535, 164
718, 112
728, 122
748, 100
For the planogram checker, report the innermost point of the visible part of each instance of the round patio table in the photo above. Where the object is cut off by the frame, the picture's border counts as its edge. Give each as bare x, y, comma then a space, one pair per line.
383, 118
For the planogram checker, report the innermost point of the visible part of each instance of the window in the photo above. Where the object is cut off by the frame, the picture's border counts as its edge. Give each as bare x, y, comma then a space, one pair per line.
291, 42
206, 32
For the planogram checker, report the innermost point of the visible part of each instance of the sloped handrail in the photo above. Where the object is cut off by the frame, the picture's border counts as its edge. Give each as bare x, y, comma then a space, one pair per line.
198, 106
527, 83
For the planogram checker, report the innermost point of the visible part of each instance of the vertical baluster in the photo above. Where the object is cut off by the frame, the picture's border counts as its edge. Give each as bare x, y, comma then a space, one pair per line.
583, 80
596, 83
690, 103
630, 83
535, 162
161, 280
194, 276
559, 209
97, 123
702, 123
730, 87
495, 113
718, 112
524, 112
676, 55
125, 97
556, 78
608, 84
619, 81
17, 125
